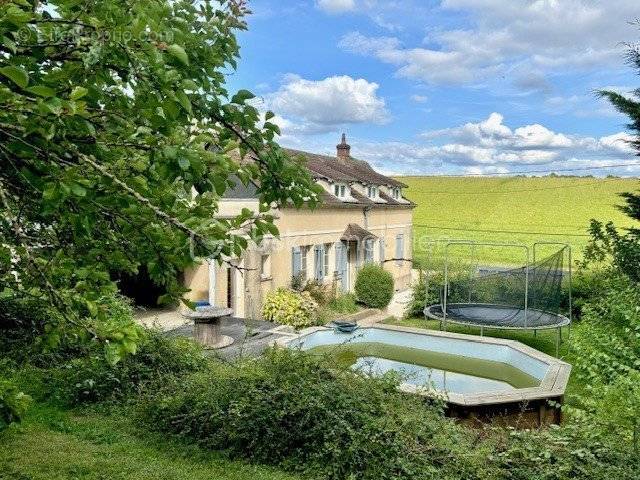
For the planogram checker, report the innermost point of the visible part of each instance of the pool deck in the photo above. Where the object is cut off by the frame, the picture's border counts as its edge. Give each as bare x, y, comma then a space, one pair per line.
552, 385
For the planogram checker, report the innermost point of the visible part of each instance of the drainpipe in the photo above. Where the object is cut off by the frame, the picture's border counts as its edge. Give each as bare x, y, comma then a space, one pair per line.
365, 212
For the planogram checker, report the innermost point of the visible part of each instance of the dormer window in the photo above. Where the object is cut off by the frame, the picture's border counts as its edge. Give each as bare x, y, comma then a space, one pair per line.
339, 191
372, 192
395, 193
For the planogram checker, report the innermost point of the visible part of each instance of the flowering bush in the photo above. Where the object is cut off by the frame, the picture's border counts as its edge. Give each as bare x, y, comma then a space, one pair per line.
290, 308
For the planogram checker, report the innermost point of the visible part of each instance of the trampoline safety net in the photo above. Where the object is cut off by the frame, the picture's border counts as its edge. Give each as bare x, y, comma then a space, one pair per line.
497, 297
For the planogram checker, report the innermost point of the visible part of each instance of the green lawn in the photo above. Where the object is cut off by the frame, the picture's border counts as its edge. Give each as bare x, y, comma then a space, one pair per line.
53, 445
515, 209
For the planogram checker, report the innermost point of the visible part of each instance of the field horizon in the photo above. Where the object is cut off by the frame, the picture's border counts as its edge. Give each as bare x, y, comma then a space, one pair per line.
514, 209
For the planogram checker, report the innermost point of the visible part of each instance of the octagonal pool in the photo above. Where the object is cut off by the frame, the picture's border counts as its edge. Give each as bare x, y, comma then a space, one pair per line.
475, 374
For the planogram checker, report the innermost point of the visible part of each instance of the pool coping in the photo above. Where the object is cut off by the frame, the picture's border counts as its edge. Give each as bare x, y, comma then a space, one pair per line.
552, 385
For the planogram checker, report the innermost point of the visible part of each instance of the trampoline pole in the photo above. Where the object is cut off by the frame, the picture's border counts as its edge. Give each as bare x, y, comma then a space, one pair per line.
482, 331
446, 286
557, 342
526, 288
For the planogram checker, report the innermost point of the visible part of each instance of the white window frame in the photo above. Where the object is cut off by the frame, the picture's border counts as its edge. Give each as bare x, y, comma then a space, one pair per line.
372, 191
339, 190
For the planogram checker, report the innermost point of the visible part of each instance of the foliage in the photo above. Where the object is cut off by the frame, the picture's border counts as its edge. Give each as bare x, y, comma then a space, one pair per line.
34, 332
586, 284
606, 240
293, 410
510, 210
608, 245
434, 281
13, 403
374, 286
287, 307
91, 379
579, 449
112, 114
319, 291
297, 282
609, 341
344, 303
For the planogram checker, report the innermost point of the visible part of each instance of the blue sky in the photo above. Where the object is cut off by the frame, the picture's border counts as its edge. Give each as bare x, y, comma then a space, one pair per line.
445, 86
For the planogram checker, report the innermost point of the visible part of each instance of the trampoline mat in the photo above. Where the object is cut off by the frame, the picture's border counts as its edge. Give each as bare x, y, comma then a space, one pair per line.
499, 316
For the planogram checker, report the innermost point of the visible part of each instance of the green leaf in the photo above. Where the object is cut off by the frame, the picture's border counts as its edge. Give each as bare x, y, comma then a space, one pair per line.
184, 163
10, 44
78, 92
242, 96
42, 91
184, 101
178, 53
78, 190
17, 75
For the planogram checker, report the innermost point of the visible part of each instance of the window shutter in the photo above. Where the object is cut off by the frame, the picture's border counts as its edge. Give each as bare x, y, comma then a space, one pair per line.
399, 248
296, 261
382, 251
318, 261
338, 249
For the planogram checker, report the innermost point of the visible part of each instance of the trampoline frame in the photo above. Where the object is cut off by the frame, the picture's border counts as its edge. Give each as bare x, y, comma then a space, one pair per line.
443, 320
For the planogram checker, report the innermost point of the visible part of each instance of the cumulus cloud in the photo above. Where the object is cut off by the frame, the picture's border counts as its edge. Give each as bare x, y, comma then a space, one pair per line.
336, 6
313, 106
491, 146
536, 36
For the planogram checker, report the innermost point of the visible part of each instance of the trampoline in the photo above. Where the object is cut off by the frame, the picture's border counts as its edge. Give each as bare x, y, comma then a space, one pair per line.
526, 298
497, 316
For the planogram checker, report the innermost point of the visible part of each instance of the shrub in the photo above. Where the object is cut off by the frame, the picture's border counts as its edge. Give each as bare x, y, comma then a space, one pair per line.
374, 286
93, 379
580, 449
320, 292
294, 410
345, 303
289, 308
297, 283
13, 403
608, 342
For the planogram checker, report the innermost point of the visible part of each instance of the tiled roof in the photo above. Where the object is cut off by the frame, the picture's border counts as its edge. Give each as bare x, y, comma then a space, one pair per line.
356, 232
344, 170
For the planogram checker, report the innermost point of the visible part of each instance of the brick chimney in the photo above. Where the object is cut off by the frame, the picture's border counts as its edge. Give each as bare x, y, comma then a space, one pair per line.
343, 148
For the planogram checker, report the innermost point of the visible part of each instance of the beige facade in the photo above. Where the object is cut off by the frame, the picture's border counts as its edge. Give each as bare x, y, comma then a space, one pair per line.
269, 265
363, 217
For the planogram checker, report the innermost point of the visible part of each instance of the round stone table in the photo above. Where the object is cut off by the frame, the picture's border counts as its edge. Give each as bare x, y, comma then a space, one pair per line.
208, 328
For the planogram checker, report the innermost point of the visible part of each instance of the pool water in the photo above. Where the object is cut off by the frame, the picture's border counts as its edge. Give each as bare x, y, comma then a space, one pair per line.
441, 371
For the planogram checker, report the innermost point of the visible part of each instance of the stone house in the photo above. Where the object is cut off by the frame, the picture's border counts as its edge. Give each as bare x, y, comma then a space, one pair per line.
363, 217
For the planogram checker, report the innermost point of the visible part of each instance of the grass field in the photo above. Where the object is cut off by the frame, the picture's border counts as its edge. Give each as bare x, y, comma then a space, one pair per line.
55, 444
514, 209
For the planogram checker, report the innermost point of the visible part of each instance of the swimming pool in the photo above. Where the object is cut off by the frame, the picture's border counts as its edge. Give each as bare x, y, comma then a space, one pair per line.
468, 370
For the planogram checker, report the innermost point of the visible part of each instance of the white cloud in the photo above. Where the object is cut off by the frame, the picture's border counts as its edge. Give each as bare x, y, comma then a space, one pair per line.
503, 37
336, 6
419, 98
320, 105
490, 146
